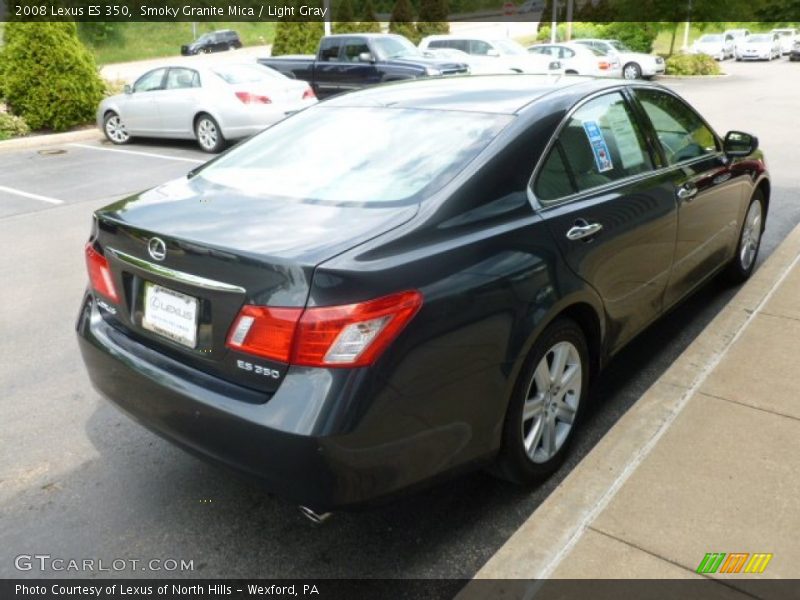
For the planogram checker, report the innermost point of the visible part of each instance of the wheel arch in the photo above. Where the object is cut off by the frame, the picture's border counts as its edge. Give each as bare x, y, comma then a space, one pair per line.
765, 187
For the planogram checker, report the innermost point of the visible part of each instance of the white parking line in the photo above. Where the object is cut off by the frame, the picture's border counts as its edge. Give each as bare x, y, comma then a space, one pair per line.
9, 190
137, 153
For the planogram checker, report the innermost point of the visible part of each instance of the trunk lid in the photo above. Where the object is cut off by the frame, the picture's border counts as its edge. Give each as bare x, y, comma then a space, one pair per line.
221, 249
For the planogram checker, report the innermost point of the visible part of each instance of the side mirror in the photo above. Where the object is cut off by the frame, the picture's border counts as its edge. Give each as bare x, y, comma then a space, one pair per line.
366, 57
738, 144
127, 89
492, 52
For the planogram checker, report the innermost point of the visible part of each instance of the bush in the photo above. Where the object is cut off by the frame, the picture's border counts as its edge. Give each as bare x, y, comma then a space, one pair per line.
297, 37
639, 37
12, 126
402, 21
49, 77
692, 64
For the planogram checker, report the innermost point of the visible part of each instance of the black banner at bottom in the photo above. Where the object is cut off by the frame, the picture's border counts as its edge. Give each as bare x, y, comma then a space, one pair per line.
389, 589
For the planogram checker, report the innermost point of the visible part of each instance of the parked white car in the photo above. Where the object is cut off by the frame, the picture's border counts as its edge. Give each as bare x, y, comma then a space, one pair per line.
759, 46
787, 37
207, 103
719, 46
506, 54
478, 65
635, 65
739, 35
579, 59
531, 6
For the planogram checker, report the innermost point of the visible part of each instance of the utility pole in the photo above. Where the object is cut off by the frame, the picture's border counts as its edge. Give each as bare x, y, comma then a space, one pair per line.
687, 28
326, 4
570, 12
554, 23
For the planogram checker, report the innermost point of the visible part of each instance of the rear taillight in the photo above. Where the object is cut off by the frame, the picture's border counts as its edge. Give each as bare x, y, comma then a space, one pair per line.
249, 98
100, 274
308, 94
353, 335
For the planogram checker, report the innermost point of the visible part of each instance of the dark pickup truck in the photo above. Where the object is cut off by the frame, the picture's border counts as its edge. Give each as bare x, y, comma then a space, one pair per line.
353, 61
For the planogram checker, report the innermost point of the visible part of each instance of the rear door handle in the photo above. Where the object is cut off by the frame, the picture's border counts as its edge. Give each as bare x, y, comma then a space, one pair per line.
582, 230
687, 192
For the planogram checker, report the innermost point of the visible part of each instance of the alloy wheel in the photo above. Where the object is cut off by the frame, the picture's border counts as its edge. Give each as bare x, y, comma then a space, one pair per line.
116, 131
207, 134
551, 402
631, 71
751, 236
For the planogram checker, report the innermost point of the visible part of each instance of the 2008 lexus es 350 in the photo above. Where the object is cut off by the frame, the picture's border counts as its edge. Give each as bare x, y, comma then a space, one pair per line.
410, 281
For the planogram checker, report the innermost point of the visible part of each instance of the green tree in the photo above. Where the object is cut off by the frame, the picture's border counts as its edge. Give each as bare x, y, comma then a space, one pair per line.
97, 33
637, 36
369, 22
432, 18
49, 77
402, 21
345, 18
297, 37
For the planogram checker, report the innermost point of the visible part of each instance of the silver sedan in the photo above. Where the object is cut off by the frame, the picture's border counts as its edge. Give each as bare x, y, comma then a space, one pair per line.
208, 103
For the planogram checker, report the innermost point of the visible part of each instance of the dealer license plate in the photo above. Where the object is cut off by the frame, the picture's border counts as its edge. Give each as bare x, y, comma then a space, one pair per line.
170, 314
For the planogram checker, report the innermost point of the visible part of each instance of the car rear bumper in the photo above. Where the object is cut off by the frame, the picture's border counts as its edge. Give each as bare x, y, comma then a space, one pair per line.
277, 439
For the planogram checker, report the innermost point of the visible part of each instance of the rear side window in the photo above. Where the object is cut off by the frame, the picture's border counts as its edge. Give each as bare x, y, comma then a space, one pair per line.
479, 47
681, 131
329, 50
179, 79
600, 144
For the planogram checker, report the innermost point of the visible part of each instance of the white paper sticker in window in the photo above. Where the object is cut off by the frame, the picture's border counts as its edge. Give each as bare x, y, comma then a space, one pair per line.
630, 152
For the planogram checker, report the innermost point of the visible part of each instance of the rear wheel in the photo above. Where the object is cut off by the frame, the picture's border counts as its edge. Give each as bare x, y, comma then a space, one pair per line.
743, 263
115, 130
208, 134
547, 404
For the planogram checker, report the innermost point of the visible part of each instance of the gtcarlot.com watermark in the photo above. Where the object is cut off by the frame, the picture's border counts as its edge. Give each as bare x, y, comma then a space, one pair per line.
47, 562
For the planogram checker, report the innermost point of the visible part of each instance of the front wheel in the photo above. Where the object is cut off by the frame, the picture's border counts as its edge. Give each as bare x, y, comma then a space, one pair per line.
742, 265
632, 71
546, 406
115, 129
208, 134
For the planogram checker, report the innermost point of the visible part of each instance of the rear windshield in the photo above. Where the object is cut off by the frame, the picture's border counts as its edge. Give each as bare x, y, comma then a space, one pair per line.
363, 155
235, 74
760, 38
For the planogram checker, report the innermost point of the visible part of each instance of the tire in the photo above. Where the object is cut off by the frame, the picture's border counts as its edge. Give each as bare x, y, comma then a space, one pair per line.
114, 129
632, 71
744, 261
208, 134
525, 456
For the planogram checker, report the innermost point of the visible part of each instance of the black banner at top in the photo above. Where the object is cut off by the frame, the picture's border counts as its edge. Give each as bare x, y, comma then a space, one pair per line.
773, 11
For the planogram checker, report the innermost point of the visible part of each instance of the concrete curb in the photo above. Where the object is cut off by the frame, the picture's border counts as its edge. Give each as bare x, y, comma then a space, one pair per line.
51, 139
536, 548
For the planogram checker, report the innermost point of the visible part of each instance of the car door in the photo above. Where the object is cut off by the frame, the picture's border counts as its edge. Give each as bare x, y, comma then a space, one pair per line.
709, 194
611, 210
355, 73
140, 111
327, 67
178, 101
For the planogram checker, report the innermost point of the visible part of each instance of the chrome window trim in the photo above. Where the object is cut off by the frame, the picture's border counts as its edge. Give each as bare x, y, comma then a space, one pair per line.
179, 276
539, 206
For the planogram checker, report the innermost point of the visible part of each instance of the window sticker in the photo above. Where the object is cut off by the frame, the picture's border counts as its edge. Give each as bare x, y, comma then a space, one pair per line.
630, 152
602, 157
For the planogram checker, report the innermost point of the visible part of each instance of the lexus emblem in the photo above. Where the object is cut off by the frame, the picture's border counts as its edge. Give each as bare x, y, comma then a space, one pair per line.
157, 248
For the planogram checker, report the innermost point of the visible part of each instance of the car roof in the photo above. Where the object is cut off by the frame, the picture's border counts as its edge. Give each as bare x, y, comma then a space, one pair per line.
468, 36
499, 94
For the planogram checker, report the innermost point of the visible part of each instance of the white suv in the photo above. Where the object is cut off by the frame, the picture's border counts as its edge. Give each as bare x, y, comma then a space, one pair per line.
501, 55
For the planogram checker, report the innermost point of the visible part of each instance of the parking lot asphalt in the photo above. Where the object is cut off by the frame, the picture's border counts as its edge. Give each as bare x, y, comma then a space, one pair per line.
80, 480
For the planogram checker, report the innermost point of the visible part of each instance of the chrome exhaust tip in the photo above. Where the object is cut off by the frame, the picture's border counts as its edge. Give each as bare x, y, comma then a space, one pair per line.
313, 516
